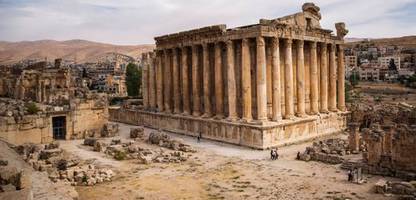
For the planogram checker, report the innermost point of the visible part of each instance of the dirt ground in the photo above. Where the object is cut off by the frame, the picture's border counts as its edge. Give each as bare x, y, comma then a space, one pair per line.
222, 171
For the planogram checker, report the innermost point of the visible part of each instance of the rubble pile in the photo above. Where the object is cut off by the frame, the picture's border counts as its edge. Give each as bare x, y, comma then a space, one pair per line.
405, 190
110, 130
133, 149
61, 166
137, 133
164, 140
328, 151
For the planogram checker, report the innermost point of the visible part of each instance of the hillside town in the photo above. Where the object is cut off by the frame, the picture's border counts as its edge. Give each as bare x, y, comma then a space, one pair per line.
284, 108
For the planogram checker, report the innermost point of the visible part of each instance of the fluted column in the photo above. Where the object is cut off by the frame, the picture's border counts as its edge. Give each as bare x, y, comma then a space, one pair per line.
314, 79
341, 79
185, 81
289, 107
159, 81
151, 80
207, 80
196, 81
261, 80
324, 79
176, 85
145, 77
219, 94
300, 79
246, 80
332, 96
167, 81
276, 96
231, 85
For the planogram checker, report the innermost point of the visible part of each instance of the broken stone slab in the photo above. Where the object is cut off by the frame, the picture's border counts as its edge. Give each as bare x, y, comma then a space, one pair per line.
52, 145
100, 146
136, 132
90, 141
48, 153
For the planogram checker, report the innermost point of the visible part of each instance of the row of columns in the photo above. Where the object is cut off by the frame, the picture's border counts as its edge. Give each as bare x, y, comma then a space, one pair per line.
166, 69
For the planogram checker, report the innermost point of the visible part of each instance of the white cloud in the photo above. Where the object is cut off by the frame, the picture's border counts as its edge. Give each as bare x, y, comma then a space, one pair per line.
138, 21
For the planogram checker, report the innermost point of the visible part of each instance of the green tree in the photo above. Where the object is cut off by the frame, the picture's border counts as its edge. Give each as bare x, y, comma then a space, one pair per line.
133, 79
354, 78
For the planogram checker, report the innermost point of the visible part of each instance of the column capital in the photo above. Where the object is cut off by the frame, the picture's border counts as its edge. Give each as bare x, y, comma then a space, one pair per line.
275, 41
244, 40
260, 41
229, 42
288, 41
324, 46
313, 44
300, 43
340, 47
332, 46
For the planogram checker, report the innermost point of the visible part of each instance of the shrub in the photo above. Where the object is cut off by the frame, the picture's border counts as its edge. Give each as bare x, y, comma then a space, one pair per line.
32, 108
120, 155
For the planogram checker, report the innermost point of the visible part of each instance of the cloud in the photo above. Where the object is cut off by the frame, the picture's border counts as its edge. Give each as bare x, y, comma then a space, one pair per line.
138, 21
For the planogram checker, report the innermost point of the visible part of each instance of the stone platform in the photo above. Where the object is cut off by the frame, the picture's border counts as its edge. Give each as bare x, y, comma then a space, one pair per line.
254, 135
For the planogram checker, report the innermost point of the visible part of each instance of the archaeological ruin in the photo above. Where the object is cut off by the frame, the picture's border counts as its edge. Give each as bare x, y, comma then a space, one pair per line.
269, 84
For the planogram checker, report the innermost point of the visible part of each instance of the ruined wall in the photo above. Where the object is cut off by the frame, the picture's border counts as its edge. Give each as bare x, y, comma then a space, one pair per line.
32, 129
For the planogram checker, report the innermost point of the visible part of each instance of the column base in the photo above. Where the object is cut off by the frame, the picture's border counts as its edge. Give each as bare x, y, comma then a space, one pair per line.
196, 114
206, 115
324, 111
185, 113
289, 117
246, 120
333, 110
231, 119
278, 118
219, 117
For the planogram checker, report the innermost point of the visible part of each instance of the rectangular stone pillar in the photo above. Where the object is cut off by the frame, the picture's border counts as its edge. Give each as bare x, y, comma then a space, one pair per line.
175, 77
151, 81
246, 80
332, 96
219, 94
167, 82
231, 84
207, 80
314, 79
145, 77
289, 107
261, 80
185, 80
196, 81
341, 79
324, 79
159, 81
300, 79
276, 96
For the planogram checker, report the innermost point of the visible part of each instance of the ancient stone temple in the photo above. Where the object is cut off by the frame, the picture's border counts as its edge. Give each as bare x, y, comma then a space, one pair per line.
273, 83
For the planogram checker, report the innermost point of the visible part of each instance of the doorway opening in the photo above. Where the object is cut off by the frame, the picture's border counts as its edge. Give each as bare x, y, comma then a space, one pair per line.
59, 127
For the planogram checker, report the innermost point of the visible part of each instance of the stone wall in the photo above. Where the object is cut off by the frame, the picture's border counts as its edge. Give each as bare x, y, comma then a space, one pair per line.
32, 129
245, 134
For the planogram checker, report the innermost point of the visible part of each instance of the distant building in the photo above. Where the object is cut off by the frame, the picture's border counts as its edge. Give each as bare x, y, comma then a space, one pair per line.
351, 61
384, 62
369, 74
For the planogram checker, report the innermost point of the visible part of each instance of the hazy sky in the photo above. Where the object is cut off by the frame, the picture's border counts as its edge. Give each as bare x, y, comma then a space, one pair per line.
138, 21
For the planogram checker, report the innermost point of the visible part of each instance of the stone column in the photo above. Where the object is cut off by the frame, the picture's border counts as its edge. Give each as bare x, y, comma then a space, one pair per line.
151, 80
207, 80
341, 79
289, 107
246, 80
159, 81
231, 85
276, 96
314, 80
261, 80
300, 78
332, 96
185, 80
219, 94
324, 79
176, 84
145, 77
196, 81
167, 81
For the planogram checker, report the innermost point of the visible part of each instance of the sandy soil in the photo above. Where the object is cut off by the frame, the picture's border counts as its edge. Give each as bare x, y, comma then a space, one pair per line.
222, 171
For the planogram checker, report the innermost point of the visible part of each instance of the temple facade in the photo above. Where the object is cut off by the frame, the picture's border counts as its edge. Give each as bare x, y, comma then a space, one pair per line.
269, 84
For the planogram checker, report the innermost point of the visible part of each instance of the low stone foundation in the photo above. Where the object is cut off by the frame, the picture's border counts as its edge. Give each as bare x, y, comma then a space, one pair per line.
254, 135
